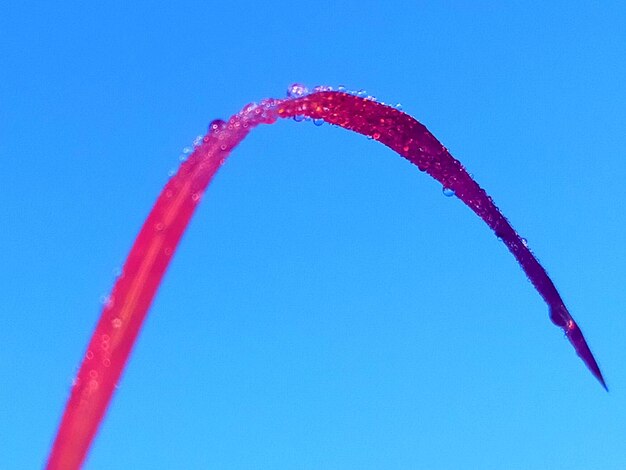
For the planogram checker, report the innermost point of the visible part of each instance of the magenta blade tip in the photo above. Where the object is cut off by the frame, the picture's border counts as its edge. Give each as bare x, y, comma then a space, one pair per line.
560, 316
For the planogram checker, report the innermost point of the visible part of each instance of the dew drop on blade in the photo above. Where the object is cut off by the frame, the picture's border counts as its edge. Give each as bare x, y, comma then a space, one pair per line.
297, 90
216, 125
447, 192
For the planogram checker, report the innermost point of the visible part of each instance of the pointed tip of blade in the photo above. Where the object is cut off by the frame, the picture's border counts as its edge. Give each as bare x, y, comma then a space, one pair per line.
600, 378
592, 365
577, 339
595, 370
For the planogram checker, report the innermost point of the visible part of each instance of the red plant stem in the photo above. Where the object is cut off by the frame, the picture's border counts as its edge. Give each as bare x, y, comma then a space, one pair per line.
132, 295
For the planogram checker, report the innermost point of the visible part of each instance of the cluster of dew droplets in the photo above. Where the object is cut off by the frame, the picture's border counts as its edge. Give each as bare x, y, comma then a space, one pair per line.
227, 133
297, 90
188, 150
253, 114
361, 93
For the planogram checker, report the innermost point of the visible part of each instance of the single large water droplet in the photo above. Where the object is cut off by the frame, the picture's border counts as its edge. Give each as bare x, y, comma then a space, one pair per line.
524, 242
216, 124
298, 118
447, 192
318, 122
296, 90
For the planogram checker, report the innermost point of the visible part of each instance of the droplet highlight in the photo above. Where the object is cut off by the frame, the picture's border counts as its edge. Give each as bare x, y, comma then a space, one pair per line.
297, 90
447, 192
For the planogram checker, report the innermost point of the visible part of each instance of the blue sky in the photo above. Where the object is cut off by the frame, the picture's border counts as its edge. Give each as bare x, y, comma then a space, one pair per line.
328, 308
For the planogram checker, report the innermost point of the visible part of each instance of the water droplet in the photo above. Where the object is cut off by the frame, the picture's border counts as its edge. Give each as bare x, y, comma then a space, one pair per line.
197, 141
106, 362
216, 125
195, 197
398, 106
297, 90
187, 150
298, 118
361, 93
524, 242
318, 122
376, 135
159, 226
447, 192
116, 322
105, 300
89, 354
341, 88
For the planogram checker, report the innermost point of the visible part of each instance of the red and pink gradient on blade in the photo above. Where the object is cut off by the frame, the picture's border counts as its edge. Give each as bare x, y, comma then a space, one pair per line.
132, 295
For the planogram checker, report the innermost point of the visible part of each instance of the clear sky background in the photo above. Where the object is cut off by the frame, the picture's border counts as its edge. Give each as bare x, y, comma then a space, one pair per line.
328, 308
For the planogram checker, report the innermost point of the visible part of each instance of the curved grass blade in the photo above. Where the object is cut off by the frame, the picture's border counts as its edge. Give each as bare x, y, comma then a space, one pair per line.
132, 295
